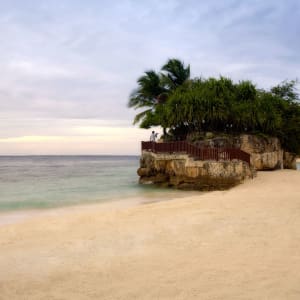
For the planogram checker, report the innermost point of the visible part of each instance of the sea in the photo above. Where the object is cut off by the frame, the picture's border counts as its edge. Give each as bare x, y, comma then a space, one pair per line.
41, 182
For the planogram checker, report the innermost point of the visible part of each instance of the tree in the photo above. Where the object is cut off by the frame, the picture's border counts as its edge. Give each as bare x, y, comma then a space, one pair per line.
174, 74
185, 105
146, 95
286, 90
154, 89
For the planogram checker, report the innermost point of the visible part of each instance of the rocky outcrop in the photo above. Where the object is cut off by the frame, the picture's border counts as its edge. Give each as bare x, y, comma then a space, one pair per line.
266, 152
182, 171
289, 160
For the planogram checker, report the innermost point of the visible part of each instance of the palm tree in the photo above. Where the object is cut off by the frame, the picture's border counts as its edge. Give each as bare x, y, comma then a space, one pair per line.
174, 73
154, 89
146, 95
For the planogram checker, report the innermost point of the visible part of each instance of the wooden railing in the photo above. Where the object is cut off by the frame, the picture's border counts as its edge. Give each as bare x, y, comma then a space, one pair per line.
205, 153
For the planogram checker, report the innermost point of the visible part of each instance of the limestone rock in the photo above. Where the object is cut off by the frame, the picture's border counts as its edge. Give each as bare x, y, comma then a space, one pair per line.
182, 171
144, 172
289, 160
266, 152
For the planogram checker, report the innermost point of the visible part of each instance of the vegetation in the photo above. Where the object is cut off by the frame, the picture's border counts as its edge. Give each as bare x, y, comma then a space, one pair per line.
183, 105
153, 91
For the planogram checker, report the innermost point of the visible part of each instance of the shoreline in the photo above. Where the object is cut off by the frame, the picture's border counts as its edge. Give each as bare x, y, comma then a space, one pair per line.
242, 243
17, 216
8, 217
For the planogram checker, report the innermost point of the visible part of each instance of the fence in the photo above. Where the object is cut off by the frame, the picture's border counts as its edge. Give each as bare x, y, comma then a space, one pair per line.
205, 153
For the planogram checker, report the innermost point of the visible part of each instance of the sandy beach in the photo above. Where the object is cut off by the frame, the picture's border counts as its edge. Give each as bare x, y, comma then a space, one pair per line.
238, 244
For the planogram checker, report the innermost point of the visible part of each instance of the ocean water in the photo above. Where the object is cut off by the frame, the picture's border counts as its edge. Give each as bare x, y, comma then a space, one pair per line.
36, 182
32, 182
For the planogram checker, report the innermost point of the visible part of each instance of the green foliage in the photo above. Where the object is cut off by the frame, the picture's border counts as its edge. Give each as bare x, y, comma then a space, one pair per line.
174, 73
286, 90
186, 105
147, 92
245, 91
154, 89
289, 133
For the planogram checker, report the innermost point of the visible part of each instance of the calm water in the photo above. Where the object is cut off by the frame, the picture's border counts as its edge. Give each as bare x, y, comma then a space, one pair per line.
53, 181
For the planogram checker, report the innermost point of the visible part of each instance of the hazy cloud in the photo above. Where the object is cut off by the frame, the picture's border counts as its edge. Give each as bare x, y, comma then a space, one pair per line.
80, 60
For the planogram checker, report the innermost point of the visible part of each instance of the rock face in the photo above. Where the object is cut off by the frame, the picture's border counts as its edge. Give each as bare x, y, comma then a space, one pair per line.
182, 171
289, 160
266, 152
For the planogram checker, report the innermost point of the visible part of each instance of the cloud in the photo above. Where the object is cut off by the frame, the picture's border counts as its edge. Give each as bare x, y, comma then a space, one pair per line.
73, 139
39, 70
65, 60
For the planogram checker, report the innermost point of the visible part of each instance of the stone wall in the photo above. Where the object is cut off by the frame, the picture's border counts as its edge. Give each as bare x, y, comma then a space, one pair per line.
182, 171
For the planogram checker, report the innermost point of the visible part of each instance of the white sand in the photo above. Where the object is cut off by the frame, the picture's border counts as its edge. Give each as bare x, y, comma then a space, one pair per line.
239, 244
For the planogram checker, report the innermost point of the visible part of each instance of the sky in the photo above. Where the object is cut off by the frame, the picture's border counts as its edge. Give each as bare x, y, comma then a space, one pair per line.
68, 67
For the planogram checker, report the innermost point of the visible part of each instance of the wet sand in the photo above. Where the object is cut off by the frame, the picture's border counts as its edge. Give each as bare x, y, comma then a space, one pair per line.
238, 244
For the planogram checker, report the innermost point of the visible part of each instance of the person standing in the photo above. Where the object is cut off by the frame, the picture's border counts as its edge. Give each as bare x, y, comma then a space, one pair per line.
153, 136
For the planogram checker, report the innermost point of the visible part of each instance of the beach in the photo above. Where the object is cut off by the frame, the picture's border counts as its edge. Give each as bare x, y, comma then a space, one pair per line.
237, 244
